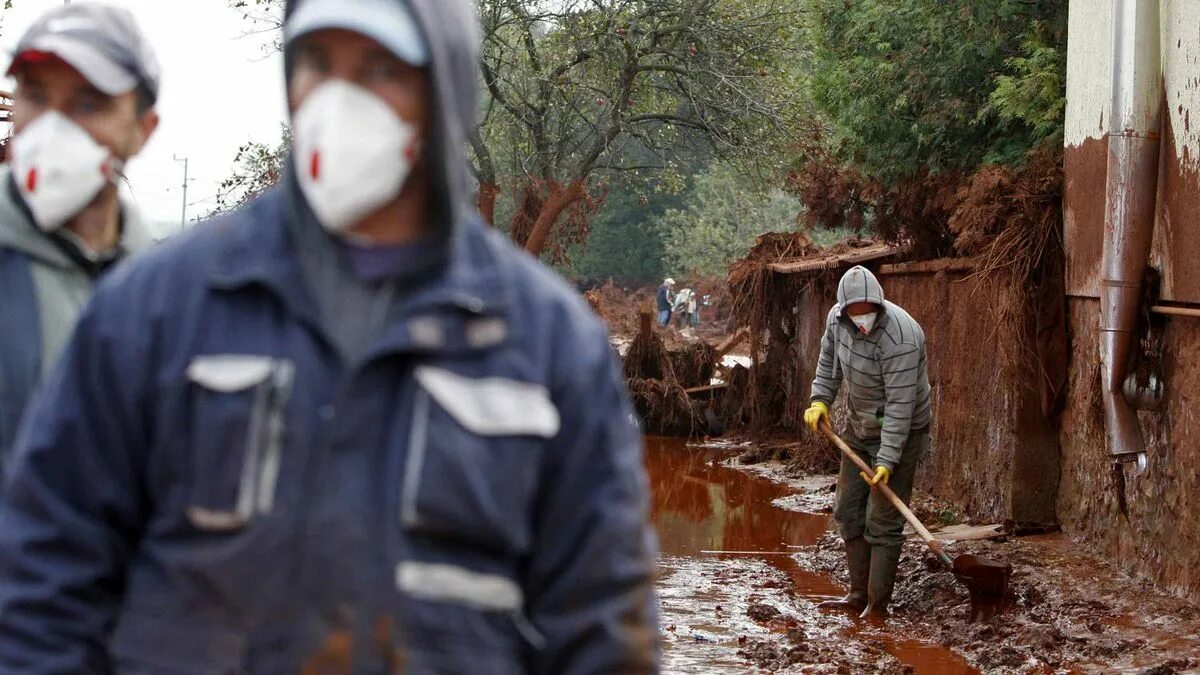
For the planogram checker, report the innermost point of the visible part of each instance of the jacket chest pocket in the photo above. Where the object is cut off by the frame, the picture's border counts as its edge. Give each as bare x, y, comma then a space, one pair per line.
237, 426
474, 454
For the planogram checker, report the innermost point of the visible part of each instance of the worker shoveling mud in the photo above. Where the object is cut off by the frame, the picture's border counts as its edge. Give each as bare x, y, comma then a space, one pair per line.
986, 580
1065, 611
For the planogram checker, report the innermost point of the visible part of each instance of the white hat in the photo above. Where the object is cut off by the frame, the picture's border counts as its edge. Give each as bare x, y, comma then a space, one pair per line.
102, 42
669, 281
388, 22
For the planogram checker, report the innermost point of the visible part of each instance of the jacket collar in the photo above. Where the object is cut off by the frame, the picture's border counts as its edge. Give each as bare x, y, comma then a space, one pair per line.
61, 250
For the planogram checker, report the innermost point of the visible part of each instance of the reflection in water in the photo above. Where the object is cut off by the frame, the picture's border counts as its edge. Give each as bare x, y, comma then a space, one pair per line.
701, 506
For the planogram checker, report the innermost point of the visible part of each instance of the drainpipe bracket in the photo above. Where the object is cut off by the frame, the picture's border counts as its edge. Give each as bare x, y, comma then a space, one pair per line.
1139, 461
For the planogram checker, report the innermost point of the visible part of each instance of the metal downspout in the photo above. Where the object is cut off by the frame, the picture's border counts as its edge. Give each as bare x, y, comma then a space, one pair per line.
1133, 148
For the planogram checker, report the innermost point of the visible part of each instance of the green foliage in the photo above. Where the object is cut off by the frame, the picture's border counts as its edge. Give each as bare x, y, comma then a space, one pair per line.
914, 85
625, 242
579, 89
722, 217
1034, 92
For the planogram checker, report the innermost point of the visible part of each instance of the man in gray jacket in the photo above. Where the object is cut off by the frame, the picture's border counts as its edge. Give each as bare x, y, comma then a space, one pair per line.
87, 82
878, 350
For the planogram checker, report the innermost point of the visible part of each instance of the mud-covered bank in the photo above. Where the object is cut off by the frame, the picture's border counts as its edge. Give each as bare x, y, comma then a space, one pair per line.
1067, 612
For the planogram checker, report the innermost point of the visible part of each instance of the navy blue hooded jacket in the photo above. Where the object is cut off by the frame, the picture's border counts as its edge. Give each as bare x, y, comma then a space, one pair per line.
206, 486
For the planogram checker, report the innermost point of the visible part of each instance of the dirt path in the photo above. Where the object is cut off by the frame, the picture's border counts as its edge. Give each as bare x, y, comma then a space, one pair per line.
756, 611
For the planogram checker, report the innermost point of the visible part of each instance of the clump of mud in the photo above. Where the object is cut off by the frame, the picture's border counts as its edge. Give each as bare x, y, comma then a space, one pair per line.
798, 650
648, 358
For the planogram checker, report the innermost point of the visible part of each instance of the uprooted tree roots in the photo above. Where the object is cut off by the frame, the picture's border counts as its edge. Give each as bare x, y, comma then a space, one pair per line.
658, 379
1011, 221
771, 395
665, 408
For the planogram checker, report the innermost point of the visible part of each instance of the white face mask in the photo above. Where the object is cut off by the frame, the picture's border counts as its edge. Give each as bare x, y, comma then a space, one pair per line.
353, 153
59, 169
865, 322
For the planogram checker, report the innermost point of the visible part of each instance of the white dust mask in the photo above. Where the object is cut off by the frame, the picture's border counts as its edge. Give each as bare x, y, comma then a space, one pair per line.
353, 153
865, 322
59, 169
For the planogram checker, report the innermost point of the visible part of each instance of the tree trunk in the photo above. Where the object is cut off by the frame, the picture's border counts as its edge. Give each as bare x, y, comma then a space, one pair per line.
486, 201
556, 202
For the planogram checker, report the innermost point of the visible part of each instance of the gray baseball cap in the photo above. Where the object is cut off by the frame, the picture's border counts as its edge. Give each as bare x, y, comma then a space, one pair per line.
388, 22
102, 42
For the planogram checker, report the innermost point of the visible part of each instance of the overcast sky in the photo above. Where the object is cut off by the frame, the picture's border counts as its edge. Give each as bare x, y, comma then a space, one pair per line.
219, 91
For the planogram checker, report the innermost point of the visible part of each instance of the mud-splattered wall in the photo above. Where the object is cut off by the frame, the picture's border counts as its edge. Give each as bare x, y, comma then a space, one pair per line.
1152, 531
1088, 117
1150, 527
994, 453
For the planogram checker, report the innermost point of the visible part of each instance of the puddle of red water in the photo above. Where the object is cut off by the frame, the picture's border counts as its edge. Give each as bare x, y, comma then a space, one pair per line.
702, 506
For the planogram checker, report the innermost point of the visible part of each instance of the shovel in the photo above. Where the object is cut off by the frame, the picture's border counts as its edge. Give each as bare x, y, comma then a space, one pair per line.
984, 578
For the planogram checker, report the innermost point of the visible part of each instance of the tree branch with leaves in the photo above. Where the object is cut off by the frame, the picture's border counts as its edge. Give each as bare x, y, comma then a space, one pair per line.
581, 87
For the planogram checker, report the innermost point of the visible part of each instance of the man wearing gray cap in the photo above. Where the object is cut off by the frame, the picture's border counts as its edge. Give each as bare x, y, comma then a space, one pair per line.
86, 87
347, 429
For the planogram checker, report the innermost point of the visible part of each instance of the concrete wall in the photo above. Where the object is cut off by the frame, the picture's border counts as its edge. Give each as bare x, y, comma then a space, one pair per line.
1149, 527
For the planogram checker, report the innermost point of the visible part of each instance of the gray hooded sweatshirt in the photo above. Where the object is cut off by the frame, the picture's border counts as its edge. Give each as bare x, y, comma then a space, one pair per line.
61, 286
887, 380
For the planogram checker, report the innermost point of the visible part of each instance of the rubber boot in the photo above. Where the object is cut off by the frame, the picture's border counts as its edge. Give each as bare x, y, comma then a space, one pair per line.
882, 580
858, 559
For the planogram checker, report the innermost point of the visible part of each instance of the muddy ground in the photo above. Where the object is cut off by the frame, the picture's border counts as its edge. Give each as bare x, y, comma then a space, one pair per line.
1067, 610
753, 609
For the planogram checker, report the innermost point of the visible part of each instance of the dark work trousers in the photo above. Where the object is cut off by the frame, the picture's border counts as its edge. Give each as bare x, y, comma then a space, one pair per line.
859, 510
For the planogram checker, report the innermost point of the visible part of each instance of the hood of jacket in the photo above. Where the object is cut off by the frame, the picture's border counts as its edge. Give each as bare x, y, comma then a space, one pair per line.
19, 233
859, 285
451, 30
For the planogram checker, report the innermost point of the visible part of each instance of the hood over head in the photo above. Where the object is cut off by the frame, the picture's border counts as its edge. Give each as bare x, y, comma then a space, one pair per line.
452, 39
859, 285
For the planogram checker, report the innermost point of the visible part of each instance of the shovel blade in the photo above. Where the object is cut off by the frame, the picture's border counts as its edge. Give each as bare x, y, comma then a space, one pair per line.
983, 577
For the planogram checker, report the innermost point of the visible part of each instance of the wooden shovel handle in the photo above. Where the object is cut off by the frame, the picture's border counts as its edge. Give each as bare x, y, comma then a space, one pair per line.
934, 544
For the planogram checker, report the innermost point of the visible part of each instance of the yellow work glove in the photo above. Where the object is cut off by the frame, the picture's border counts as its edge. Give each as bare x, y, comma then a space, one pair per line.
812, 416
881, 476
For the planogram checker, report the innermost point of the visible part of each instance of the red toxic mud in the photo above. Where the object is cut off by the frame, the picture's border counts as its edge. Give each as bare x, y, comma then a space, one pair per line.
715, 604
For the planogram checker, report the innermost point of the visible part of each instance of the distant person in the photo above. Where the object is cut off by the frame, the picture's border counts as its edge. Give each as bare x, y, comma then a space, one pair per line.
347, 428
684, 308
665, 301
87, 82
692, 309
879, 351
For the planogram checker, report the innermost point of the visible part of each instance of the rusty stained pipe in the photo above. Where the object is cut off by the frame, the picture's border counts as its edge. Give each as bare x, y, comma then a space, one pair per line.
1133, 149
